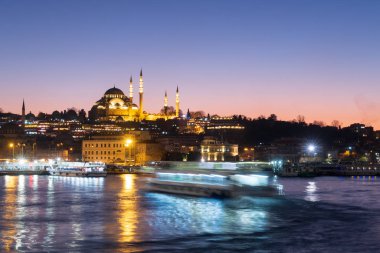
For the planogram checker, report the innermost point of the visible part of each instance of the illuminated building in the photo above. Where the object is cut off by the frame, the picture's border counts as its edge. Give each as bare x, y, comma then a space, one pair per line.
107, 149
115, 106
133, 148
213, 150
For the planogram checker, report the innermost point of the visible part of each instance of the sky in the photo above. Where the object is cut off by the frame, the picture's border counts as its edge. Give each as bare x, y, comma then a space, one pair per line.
319, 59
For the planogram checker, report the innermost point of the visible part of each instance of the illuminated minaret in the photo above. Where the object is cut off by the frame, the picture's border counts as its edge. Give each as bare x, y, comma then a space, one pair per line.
177, 103
130, 97
141, 92
131, 90
166, 103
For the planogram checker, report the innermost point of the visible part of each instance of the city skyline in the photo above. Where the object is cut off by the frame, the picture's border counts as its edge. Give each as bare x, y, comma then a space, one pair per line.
314, 59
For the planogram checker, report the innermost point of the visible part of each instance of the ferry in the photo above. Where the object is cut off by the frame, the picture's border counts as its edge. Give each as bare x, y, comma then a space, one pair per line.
24, 167
205, 184
78, 169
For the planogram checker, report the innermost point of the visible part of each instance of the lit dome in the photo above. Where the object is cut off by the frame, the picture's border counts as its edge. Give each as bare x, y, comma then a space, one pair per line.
114, 91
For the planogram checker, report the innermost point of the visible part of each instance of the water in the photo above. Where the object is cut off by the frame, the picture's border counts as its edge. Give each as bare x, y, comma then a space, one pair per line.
326, 214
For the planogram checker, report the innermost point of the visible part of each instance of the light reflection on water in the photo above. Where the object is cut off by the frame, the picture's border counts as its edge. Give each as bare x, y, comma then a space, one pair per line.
43, 213
311, 192
127, 217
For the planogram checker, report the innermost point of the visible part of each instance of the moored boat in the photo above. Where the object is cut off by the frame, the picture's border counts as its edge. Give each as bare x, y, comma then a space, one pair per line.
78, 169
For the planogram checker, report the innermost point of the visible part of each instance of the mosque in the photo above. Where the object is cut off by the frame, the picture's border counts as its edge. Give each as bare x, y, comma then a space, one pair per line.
117, 107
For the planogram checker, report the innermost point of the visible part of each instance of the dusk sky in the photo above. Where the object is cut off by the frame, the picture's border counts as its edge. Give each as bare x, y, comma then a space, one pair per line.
320, 59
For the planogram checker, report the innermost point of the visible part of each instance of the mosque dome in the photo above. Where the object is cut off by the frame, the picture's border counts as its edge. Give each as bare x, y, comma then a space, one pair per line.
114, 91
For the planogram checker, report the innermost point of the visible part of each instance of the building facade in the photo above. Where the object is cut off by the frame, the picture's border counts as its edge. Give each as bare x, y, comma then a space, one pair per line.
107, 149
213, 150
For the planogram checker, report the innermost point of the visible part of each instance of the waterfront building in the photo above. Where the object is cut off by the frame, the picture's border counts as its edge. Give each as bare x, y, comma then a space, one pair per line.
136, 147
148, 151
106, 149
214, 150
180, 143
247, 153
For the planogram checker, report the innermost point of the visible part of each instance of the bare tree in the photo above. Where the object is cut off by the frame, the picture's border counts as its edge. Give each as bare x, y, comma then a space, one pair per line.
319, 123
198, 114
336, 123
300, 119
168, 110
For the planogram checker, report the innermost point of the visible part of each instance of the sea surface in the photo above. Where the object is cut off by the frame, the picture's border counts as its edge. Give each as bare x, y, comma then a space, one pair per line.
113, 214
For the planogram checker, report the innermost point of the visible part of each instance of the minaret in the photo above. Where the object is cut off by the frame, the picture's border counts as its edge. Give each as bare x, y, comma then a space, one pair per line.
166, 103
177, 103
141, 93
23, 112
131, 90
130, 98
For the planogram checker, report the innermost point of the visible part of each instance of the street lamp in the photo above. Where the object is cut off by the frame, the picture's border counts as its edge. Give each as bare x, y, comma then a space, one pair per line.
311, 148
68, 153
22, 145
128, 144
12, 146
34, 150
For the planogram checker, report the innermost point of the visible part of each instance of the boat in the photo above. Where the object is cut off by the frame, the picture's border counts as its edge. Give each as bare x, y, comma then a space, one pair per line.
24, 167
206, 184
78, 169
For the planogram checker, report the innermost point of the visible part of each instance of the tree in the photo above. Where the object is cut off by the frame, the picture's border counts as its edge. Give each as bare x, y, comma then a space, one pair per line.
170, 110
71, 115
41, 116
82, 115
261, 117
197, 114
336, 123
188, 115
300, 119
319, 123
56, 115
272, 117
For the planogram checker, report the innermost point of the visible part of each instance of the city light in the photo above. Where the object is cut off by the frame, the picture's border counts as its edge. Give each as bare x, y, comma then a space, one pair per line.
311, 148
128, 142
22, 161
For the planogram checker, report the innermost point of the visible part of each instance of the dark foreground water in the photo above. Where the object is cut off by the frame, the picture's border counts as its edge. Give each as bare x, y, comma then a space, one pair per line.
58, 214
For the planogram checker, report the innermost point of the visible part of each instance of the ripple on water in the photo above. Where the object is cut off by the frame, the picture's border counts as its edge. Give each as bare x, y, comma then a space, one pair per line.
58, 214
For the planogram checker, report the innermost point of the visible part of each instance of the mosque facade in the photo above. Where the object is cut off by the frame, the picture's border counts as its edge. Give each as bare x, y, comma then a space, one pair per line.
115, 106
